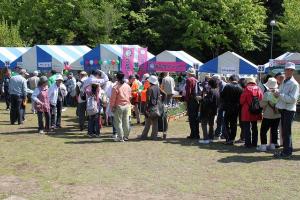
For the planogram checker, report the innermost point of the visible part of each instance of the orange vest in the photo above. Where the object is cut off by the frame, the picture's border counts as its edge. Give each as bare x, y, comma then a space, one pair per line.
144, 92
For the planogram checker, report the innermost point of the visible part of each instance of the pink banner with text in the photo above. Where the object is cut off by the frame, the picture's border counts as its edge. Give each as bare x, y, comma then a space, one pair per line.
127, 61
167, 66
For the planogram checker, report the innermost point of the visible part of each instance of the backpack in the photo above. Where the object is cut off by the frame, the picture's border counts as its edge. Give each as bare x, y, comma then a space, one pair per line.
92, 106
254, 107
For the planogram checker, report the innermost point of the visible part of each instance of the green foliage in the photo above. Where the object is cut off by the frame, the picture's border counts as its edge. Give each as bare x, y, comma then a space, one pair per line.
9, 35
289, 26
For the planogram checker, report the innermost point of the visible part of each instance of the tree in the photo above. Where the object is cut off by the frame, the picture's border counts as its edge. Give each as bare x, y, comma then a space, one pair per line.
289, 26
9, 35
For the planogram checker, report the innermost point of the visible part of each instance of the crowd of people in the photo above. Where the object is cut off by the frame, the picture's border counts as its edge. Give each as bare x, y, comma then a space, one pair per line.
213, 99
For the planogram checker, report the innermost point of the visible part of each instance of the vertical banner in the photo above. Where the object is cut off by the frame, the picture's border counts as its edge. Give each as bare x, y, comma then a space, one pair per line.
142, 61
127, 61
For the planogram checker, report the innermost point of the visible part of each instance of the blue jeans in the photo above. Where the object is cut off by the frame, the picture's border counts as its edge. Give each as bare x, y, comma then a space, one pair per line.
287, 118
220, 122
113, 126
93, 125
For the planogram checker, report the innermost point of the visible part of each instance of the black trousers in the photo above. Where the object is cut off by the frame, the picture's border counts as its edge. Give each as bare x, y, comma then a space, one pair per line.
267, 124
230, 121
81, 108
7, 99
17, 109
251, 133
41, 121
193, 107
208, 120
287, 118
56, 114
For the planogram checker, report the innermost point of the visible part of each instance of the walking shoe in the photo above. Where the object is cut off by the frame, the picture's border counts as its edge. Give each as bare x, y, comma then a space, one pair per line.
125, 138
204, 141
240, 141
262, 148
41, 132
164, 136
96, 135
89, 135
114, 136
271, 147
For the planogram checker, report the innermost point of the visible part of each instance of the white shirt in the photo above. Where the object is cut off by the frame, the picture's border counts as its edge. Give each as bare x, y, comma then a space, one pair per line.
80, 84
289, 92
53, 93
168, 85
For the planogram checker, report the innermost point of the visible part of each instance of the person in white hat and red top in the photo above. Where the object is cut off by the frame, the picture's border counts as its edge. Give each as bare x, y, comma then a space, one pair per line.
287, 104
271, 116
56, 93
192, 103
251, 112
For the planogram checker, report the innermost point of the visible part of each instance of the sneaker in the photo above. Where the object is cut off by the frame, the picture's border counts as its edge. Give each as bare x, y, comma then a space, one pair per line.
164, 136
125, 138
96, 135
262, 148
41, 132
89, 135
271, 147
204, 141
63, 110
114, 136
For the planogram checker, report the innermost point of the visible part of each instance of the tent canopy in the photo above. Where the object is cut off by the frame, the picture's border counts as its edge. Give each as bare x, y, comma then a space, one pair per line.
47, 57
229, 63
106, 52
10, 54
288, 56
176, 56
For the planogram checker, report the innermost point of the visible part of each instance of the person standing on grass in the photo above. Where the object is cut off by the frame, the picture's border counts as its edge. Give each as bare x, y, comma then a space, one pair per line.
271, 116
144, 93
220, 117
230, 96
18, 95
288, 95
42, 105
192, 103
5, 88
209, 106
152, 103
81, 99
168, 85
135, 96
71, 88
56, 94
249, 117
33, 83
120, 105
280, 78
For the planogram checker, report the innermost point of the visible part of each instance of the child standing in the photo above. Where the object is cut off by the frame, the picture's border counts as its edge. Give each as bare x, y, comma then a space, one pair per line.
42, 105
93, 110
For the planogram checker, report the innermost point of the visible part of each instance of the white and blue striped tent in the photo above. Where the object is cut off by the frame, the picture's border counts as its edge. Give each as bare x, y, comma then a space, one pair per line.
11, 54
229, 63
108, 52
177, 56
47, 57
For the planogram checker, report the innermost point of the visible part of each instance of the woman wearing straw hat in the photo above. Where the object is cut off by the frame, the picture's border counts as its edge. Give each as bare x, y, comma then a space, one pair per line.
249, 118
271, 116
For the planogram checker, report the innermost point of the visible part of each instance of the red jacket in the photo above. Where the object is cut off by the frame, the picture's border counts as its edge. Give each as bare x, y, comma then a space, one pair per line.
246, 99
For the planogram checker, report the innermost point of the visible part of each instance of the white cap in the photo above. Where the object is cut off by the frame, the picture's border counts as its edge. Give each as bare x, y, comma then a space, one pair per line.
59, 77
153, 80
35, 73
290, 65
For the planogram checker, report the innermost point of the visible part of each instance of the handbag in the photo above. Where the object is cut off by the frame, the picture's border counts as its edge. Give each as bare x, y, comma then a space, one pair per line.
154, 112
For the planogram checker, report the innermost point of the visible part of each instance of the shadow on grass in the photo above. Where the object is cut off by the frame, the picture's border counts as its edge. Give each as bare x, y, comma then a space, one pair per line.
216, 146
251, 159
21, 131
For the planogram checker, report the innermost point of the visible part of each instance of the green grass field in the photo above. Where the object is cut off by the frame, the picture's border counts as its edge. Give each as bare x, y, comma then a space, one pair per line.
67, 165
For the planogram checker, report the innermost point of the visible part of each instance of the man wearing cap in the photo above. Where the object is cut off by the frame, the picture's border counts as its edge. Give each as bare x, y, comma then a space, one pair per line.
56, 93
18, 93
81, 99
287, 103
192, 103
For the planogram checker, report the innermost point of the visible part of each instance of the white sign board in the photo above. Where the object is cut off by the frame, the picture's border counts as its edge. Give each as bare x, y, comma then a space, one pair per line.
44, 64
260, 69
229, 70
